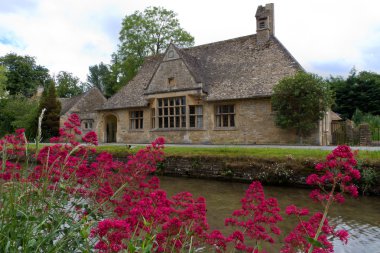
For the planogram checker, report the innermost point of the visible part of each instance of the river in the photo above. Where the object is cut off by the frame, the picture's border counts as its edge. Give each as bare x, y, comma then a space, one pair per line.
361, 217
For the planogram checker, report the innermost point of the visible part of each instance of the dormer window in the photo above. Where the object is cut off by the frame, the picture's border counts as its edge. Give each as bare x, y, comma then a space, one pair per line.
170, 54
171, 81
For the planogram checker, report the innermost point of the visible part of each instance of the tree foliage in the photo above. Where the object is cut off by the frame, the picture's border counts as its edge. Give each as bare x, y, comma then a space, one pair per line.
143, 34
68, 85
359, 91
101, 76
23, 74
50, 122
16, 112
3, 82
300, 101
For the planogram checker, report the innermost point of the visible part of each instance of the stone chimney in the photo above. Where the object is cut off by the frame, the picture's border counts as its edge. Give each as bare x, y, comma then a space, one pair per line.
264, 22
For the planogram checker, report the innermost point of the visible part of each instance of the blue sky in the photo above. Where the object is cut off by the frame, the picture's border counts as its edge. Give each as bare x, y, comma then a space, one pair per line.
325, 36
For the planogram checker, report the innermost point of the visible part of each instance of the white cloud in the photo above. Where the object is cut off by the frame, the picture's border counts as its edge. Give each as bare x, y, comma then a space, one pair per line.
71, 35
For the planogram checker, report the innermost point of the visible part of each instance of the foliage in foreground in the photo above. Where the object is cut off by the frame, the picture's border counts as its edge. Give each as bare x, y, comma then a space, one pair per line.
68, 203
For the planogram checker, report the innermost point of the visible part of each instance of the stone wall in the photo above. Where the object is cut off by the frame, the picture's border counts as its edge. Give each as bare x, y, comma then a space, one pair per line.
254, 124
285, 171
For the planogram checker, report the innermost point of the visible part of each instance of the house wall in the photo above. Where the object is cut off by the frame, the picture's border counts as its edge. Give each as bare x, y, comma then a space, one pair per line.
254, 124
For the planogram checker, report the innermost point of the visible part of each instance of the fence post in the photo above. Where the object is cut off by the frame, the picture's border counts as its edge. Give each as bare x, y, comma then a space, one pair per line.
364, 135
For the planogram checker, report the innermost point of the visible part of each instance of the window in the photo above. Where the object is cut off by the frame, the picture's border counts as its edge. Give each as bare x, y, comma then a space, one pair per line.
171, 54
262, 25
171, 81
87, 124
172, 112
136, 119
225, 116
196, 116
153, 121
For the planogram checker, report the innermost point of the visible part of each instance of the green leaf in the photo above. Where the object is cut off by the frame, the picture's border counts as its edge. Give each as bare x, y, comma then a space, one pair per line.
314, 242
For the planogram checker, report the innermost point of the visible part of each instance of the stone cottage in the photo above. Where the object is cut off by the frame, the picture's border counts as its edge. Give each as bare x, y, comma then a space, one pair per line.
217, 93
85, 106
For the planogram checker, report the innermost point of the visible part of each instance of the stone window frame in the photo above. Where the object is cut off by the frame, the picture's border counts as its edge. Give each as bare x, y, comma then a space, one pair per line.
262, 24
153, 118
223, 116
88, 124
136, 120
171, 81
196, 116
171, 113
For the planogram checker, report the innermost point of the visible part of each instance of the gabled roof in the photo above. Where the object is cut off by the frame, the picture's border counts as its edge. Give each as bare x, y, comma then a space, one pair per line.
232, 69
85, 102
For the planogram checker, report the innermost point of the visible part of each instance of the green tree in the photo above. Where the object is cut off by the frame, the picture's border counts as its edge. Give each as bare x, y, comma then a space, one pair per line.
359, 91
68, 85
16, 112
101, 76
23, 74
300, 101
144, 34
49, 101
3, 82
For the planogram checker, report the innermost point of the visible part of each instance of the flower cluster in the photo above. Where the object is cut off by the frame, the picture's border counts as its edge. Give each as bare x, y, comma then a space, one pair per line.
257, 219
12, 147
338, 172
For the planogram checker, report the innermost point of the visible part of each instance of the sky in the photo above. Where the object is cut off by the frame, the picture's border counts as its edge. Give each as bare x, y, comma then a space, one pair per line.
327, 37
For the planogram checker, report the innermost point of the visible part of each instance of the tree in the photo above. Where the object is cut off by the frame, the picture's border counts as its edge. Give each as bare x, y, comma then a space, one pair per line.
50, 122
144, 34
300, 101
101, 76
68, 85
16, 112
23, 74
359, 91
3, 82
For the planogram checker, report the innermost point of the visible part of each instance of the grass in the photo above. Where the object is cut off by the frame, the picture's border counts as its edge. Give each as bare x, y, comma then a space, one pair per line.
234, 152
240, 152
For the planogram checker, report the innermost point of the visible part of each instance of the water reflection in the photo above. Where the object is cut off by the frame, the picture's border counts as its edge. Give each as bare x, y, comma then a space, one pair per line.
361, 217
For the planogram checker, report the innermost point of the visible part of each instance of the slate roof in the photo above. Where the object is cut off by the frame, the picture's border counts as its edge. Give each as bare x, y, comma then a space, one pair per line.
86, 102
68, 103
232, 69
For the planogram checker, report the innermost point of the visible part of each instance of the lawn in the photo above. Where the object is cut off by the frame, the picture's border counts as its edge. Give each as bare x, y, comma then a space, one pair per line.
240, 152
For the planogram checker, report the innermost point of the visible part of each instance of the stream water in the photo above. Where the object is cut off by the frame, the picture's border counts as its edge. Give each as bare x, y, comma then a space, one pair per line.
361, 217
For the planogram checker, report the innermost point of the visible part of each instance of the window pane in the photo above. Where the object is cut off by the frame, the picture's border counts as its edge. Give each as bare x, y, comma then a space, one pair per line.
171, 111
183, 121
177, 111
199, 110
192, 109
200, 121
232, 120
183, 100
225, 121
177, 121
183, 110
172, 101
165, 111
192, 121
160, 122
159, 102
166, 122
165, 102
